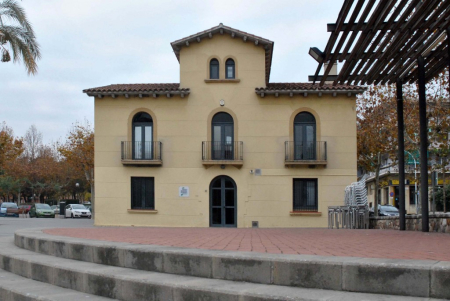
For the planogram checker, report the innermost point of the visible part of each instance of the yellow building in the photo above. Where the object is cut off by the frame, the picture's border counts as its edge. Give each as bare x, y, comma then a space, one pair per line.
224, 147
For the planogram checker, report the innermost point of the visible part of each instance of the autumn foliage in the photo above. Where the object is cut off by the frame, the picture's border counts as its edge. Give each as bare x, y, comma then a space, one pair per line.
377, 125
33, 171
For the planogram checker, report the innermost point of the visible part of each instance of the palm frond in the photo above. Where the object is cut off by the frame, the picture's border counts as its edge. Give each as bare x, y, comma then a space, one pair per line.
19, 36
13, 11
23, 46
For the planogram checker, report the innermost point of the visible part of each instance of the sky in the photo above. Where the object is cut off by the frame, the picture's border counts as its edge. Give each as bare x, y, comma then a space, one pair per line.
92, 43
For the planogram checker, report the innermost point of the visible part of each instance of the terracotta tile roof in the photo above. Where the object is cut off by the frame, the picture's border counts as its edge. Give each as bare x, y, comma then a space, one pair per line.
222, 29
136, 88
307, 86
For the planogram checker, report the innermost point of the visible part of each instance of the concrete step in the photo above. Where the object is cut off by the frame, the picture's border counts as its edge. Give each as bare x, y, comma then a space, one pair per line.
136, 285
366, 275
17, 288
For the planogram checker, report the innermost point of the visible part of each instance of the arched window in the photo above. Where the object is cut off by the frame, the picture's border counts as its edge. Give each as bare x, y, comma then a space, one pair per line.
214, 69
230, 69
142, 136
222, 136
304, 136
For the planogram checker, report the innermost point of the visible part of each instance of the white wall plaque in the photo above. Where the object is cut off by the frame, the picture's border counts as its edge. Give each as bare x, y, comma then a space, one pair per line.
183, 191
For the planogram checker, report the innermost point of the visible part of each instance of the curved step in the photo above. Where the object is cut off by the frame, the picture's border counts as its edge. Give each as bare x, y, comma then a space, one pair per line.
367, 275
14, 287
134, 285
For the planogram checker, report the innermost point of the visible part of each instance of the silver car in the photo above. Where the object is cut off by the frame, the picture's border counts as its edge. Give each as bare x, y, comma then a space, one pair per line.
77, 210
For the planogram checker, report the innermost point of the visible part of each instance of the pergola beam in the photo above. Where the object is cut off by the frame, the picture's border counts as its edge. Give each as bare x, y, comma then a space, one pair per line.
331, 27
391, 41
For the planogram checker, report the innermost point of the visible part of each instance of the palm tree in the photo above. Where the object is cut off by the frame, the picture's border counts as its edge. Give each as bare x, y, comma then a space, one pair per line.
17, 37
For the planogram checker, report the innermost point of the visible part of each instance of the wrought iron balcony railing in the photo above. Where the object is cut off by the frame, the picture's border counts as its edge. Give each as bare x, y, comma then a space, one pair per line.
306, 152
222, 151
142, 152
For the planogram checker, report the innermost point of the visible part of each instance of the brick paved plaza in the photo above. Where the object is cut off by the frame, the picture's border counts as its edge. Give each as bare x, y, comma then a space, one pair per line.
326, 242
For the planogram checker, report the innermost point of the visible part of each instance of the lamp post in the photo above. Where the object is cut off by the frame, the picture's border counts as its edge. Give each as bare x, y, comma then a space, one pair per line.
77, 185
415, 181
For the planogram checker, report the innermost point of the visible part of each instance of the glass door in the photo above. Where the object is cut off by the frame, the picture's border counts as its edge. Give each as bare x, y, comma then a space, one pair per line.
222, 144
223, 211
304, 142
142, 142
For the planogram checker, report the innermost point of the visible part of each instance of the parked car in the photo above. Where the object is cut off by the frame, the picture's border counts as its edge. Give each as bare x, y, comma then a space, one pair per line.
25, 207
388, 210
77, 210
41, 210
12, 209
55, 209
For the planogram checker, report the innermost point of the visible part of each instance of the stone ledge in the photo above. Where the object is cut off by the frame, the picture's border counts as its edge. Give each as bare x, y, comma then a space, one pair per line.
305, 213
142, 211
209, 81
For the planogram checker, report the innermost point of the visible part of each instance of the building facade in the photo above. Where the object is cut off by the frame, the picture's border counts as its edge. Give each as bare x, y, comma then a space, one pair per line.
224, 147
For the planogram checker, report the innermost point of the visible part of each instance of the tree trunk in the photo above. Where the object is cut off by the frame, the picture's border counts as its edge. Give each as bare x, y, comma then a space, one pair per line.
443, 192
90, 177
377, 184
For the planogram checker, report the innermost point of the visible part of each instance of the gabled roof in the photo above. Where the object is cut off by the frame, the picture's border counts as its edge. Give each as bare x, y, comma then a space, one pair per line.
138, 89
234, 33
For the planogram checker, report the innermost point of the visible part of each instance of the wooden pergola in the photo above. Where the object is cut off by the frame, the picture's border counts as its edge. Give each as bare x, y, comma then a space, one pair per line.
391, 41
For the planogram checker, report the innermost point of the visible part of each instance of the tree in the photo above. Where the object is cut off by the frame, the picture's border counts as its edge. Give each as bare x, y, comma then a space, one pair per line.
10, 147
33, 142
78, 151
17, 38
377, 125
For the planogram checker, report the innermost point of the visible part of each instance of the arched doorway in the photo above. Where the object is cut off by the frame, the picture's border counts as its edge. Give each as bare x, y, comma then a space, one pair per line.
305, 136
222, 136
223, 202
142, 136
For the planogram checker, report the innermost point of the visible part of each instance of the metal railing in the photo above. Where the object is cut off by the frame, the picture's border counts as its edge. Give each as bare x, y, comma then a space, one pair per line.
229, 151
305, 151
142, 150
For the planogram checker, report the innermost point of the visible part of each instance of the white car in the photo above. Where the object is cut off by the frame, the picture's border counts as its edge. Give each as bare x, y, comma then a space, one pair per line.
77, 210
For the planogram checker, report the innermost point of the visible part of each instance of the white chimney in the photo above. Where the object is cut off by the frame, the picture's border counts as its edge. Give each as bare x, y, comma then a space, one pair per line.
333, 71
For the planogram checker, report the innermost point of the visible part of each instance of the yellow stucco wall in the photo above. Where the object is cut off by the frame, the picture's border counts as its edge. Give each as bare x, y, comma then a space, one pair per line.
181, 124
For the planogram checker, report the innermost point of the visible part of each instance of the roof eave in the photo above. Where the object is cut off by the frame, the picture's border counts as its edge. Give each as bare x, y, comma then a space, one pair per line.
140, 94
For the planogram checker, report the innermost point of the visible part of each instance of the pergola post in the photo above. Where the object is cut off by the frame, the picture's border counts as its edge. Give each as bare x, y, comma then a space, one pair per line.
423, 145
448, 57
401, 154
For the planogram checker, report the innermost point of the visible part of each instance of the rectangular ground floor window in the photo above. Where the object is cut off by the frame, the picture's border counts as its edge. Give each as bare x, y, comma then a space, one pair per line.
305, 195
143, 193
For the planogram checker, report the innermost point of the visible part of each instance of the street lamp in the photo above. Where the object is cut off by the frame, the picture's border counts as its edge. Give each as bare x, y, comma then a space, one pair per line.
415, 181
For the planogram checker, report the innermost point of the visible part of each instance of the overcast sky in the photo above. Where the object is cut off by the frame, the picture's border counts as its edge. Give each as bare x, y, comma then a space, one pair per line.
91, 43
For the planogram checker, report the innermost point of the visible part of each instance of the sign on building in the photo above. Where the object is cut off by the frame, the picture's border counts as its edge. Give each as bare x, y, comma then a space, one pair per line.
183, 191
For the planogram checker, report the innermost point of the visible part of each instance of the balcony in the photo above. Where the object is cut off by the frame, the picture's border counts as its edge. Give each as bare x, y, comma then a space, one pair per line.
220, 153
309, 153
142, 153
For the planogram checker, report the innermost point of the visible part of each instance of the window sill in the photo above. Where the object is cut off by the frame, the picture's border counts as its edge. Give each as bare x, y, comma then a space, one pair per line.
233, 80
305, 213
142, 211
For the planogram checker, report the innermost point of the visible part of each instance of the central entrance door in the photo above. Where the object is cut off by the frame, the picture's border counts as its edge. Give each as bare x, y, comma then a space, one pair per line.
223, 200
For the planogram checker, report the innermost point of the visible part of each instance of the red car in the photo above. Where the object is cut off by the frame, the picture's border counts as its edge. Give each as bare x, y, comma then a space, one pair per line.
26, 207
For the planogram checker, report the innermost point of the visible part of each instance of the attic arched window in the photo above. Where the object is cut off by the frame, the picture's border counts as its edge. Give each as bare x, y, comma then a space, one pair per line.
230, 69
214, 69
